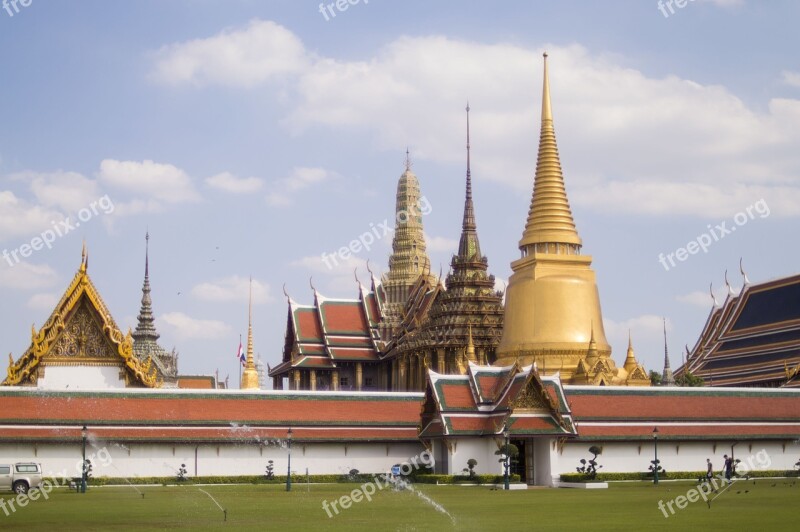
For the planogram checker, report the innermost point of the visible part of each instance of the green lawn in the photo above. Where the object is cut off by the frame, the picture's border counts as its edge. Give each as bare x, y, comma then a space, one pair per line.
623, 506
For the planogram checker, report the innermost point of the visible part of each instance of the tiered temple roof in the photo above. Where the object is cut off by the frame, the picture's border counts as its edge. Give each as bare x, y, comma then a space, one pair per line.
487, 399
331, 331
752, 339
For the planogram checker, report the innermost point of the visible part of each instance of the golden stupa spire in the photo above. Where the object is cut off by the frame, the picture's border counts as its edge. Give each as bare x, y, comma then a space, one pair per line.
630, 360
550, 227
250, 374
470, 346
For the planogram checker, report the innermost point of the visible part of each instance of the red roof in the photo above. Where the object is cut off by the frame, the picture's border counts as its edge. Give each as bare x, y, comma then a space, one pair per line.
184, 415
685, 413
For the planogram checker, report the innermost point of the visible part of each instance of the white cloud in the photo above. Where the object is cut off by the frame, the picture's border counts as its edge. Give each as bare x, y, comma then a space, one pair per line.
697, 298
162, 182
655, 146
235, 185
46, 301
301, 177
20, 218
645, 325
232, 289
68, 191
186, 327
260, 52
26, 276
791, 78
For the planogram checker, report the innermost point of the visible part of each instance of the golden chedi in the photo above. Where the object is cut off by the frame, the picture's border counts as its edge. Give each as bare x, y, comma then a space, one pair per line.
552, 304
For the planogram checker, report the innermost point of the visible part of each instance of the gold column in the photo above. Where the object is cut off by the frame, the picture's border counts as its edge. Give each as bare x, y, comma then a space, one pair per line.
359, 376
313, 383
335, 379
441, 360
401, 375
296, 379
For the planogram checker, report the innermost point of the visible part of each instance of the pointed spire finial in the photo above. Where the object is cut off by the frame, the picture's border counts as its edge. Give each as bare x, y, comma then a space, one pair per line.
408, 160
744, 275
250, 374
285, 293
728, 284
713, 297
547, 110
84, 258
468, 245
666, 377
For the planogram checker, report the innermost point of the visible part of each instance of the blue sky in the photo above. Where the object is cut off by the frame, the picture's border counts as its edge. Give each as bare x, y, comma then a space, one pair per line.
251, 137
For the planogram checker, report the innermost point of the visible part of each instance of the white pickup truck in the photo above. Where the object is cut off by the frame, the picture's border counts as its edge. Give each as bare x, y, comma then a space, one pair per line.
20, 477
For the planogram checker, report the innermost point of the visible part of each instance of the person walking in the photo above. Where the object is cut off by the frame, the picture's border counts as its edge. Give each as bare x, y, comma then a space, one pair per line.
728, 467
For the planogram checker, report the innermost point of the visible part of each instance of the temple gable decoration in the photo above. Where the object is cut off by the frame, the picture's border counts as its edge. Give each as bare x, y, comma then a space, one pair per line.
80, 332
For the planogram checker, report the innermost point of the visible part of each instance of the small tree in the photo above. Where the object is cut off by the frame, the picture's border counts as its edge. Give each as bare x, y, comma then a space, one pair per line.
87, 469
689, 380
182, 472
590, 467
655, 465
655, 378
270, 473
470, 469
353, 475
511, 451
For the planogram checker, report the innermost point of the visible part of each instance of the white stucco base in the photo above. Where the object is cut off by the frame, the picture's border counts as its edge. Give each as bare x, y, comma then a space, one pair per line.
162, 460
80, 378
545, 460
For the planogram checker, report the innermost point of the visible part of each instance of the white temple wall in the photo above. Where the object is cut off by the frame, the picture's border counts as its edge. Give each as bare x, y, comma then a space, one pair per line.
481, 449
145, 460
110, 459
677, 456
81, 378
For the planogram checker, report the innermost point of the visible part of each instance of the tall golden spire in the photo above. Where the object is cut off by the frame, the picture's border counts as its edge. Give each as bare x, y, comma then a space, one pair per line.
250, 374
552, 295
550, 227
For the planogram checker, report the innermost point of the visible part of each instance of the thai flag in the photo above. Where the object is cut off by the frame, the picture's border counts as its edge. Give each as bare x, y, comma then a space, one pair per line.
240, 354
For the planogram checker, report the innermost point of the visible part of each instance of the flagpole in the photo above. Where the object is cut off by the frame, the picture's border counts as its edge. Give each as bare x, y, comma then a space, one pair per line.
239, 361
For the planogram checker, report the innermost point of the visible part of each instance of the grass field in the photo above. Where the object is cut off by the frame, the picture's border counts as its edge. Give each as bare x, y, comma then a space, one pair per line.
767, 505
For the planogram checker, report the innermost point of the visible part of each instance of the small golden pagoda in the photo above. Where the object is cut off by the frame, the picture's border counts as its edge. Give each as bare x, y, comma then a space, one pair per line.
552, 314
250, 373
